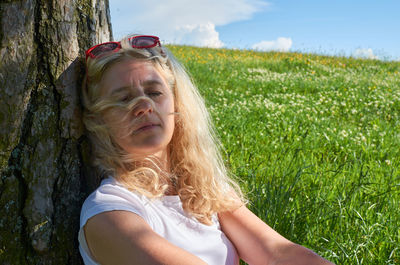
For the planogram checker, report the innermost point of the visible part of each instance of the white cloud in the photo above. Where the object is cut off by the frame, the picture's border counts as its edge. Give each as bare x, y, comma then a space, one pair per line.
365, 53
199, 35
179, 21
280, 44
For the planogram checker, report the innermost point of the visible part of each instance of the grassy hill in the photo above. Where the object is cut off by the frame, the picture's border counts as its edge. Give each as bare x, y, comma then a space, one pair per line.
314, 142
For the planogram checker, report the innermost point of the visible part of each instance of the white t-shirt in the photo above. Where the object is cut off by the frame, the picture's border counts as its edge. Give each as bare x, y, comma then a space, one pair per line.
166, 217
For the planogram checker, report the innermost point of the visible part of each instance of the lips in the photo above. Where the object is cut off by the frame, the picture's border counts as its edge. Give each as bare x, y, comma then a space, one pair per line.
145, 126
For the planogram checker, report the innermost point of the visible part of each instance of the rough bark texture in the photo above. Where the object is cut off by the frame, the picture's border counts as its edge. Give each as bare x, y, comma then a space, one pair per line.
42, 147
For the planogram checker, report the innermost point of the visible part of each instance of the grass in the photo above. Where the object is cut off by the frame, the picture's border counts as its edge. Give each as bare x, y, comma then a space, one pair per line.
315, 143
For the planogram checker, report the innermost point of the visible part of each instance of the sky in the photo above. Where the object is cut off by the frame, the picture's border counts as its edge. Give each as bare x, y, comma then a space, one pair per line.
364, 29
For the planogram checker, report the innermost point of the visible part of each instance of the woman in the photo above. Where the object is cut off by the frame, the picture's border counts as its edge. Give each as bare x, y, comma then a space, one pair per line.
166, 197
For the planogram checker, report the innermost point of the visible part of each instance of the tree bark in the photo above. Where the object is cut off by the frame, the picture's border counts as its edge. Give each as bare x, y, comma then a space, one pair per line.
43, 151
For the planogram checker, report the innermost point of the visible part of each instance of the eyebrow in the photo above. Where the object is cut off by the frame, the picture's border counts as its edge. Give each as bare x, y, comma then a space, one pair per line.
152, 82
146, 83
118, 90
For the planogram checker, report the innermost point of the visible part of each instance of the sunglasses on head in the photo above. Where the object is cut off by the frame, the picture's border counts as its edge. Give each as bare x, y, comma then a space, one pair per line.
138, 42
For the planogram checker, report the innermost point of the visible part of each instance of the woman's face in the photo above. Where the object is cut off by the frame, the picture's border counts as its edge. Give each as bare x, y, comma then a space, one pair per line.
147, 128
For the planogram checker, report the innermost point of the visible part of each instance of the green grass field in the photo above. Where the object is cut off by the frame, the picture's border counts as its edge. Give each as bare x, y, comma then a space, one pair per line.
314, 142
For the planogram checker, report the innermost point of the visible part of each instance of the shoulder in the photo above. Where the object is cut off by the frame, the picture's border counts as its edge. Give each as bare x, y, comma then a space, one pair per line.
110, 196
114, 226
120, 237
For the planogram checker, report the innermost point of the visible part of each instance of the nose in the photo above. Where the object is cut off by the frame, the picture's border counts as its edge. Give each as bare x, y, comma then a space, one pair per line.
143, 107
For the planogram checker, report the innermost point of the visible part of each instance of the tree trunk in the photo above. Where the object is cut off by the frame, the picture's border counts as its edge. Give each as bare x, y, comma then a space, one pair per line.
44, 174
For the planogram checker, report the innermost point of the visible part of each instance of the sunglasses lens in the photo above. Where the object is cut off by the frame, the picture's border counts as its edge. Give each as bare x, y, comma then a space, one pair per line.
106, 47
139, 42
143, 42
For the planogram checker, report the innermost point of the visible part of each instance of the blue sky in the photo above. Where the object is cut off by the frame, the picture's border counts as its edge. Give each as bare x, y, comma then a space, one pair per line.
368, 29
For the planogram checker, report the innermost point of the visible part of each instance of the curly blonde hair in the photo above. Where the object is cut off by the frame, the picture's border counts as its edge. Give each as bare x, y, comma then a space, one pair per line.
197, 169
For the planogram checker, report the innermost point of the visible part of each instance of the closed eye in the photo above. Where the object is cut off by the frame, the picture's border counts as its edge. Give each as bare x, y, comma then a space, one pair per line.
124, 98
154, 94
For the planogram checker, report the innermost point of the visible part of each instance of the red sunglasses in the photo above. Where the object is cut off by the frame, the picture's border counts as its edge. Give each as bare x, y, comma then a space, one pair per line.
138, 42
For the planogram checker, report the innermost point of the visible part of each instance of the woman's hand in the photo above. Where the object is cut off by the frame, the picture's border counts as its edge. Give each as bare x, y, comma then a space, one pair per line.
257, 243
122, 237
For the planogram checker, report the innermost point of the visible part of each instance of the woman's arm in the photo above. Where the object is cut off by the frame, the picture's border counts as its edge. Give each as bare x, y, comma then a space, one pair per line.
122, 237
257, 243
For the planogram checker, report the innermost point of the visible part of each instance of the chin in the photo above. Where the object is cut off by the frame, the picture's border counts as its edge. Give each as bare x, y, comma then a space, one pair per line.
147, 146
144, 151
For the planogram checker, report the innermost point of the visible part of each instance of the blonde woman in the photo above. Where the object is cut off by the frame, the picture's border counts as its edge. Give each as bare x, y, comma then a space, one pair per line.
166, 197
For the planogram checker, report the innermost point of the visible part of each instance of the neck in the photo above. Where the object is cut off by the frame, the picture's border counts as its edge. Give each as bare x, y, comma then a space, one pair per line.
166, 168
160, 162
164, 162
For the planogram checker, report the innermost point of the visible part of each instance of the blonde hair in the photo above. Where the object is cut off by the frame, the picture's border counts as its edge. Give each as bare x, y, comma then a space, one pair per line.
197, 168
